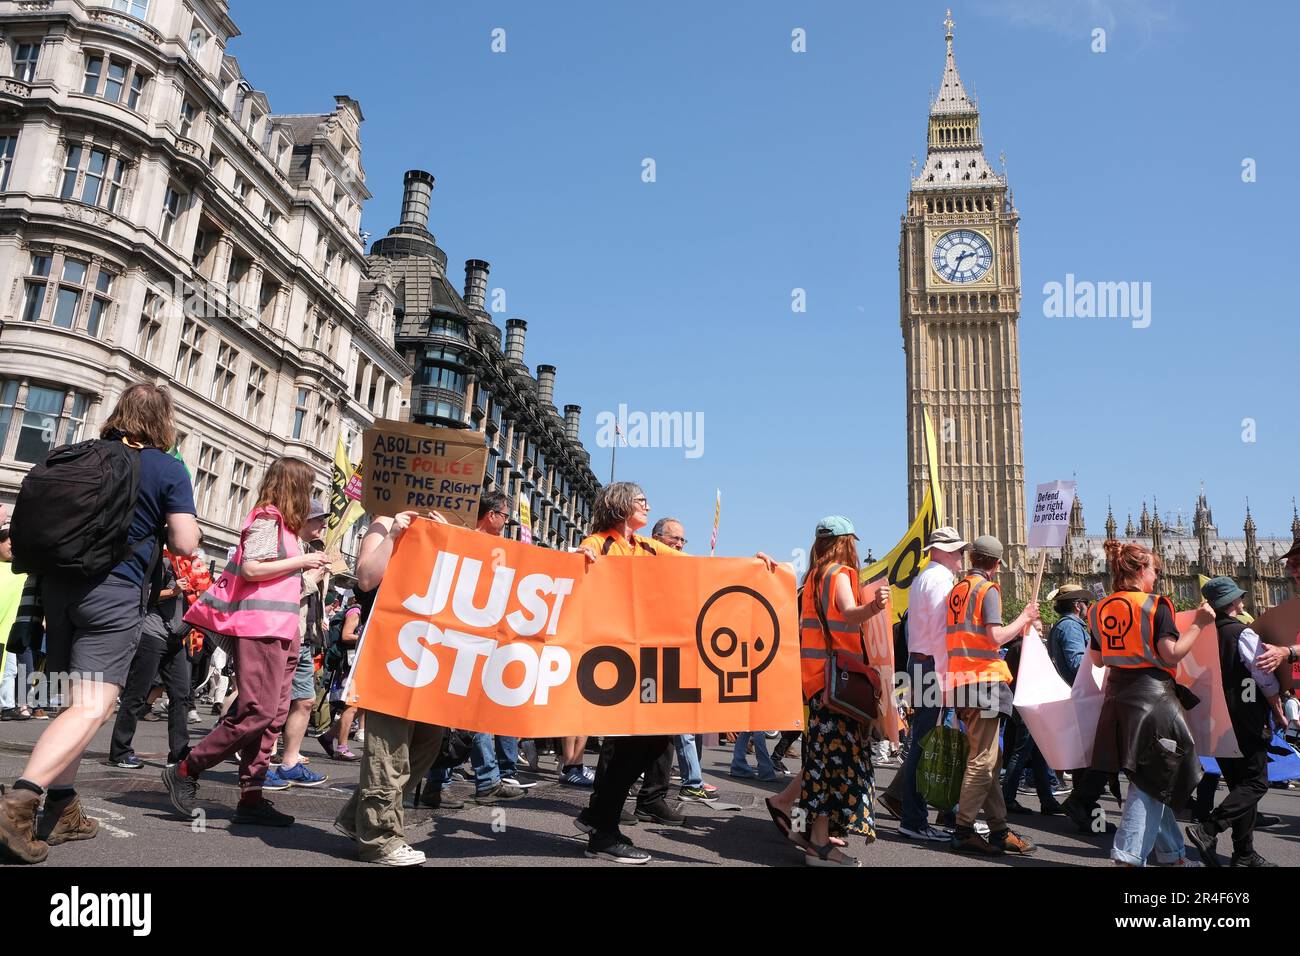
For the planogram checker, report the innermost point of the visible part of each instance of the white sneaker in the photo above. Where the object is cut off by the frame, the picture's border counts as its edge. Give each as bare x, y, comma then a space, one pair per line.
402, 855
192, 717
512, 782
926, 834
981, 828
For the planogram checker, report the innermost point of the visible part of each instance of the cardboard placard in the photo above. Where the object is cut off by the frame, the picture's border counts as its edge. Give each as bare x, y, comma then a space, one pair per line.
1279, 625
409, 467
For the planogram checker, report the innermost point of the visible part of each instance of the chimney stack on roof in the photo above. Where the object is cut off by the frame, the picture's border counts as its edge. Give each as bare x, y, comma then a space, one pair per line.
476, 273
416, 193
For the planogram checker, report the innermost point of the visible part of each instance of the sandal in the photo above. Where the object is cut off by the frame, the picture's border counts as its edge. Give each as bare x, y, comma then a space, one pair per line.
343, 753
823, 857
781, 819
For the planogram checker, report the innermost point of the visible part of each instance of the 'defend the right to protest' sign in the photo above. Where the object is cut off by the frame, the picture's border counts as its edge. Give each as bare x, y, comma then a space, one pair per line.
409, 467
1050, 522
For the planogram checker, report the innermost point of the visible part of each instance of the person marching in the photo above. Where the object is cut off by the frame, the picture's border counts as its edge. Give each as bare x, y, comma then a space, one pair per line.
980, 682
620, 511
1142, 729
1252, 695
256, 603
837, 783
396, 750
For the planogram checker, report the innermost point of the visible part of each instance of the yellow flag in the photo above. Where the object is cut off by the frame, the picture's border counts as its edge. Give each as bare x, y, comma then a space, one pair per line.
344, 510
905, 561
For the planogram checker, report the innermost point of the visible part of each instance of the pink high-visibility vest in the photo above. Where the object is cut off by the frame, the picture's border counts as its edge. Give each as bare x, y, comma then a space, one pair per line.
237, 607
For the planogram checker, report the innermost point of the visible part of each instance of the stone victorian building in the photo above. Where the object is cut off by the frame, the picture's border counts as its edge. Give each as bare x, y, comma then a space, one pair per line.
1254, 562
159, 222
959, 296
465, 377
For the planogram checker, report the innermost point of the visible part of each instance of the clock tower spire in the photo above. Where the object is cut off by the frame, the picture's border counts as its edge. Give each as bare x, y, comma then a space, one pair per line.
959, 297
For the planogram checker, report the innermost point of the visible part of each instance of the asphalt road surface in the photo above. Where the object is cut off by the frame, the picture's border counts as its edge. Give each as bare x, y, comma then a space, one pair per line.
139, 827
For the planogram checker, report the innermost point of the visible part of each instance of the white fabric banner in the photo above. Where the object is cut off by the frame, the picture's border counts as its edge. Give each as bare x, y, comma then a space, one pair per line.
1062, 719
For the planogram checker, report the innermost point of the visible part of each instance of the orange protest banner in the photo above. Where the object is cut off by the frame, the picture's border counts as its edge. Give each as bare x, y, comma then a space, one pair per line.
488, 634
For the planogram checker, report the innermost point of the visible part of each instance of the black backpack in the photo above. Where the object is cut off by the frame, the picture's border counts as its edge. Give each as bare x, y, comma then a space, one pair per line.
74, 511
335, 655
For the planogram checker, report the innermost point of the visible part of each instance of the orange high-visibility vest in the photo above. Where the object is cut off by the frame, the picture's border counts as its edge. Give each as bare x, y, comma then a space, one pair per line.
1125, 626
845, 637
972, 652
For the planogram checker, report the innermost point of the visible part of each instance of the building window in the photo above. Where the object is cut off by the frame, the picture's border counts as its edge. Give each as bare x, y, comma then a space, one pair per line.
68, 294
25, 57
93, 167
241, 483
223, 380
206, 474
49, 416
240, 188
198, 40
255, 394
190, 354
109, 77
67, 301
266, 299
137, 8
99, 302
189, 113
8, 143
34, 300
440, 376
322, 422
270, 217
149, 335
173, 206
300, 411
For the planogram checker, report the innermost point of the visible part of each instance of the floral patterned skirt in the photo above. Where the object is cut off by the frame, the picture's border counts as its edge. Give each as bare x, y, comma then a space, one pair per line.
837, 775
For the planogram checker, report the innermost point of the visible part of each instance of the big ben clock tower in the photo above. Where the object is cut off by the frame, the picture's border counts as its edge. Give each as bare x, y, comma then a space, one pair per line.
959, 297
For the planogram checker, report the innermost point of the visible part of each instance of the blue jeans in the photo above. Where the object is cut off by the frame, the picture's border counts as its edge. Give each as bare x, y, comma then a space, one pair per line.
738, 762
1146, 824
915, 812
492, 758
688, 760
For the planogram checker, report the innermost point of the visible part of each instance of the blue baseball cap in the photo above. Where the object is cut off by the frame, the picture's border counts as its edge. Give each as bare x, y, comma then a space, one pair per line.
833, 526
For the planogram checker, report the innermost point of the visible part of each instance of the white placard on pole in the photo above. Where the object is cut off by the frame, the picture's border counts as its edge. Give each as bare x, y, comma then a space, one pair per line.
1050, 523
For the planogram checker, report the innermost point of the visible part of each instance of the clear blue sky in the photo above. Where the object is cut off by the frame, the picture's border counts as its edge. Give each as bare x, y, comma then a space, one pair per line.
778, 170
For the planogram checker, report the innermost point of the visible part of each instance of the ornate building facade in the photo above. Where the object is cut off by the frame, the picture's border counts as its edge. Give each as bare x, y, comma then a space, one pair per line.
158, 222
959, 292
465, 378
1254, 562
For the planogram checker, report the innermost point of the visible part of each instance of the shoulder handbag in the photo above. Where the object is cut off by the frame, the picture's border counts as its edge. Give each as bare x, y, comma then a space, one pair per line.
852, 684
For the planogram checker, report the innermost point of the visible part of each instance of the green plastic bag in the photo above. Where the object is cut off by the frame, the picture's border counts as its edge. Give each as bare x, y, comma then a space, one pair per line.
943, 764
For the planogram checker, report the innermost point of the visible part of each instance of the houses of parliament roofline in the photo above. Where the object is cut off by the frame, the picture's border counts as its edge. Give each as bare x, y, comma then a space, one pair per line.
1253, 560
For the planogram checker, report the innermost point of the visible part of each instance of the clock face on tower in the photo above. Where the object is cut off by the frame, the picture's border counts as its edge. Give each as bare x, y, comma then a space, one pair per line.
962, 255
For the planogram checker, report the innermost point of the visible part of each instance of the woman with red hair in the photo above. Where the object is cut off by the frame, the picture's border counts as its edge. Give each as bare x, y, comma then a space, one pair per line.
1142, 729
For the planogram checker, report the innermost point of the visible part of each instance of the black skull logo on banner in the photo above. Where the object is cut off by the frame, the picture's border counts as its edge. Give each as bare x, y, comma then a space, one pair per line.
737, 634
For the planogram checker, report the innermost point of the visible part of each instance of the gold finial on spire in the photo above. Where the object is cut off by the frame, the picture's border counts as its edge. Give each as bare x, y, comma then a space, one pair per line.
947, 22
